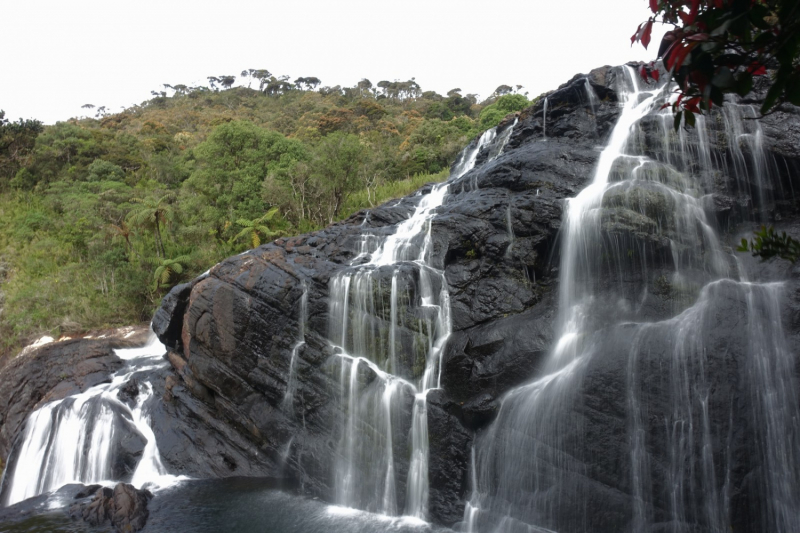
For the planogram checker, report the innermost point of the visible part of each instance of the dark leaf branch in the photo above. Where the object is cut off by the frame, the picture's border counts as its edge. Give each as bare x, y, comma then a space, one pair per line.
767, 243
717, 47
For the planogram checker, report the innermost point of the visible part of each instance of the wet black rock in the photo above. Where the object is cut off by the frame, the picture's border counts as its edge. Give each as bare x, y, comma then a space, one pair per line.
232, 332
129, 392
124, 508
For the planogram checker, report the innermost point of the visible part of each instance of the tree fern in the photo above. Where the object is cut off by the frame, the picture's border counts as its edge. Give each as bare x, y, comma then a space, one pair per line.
255, 229
165, 270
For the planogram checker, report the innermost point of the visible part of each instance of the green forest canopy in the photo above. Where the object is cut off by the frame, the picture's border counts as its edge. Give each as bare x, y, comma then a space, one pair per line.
100, 216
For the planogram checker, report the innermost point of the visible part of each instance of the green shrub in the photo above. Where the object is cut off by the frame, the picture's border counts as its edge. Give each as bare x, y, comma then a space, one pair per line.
491, 115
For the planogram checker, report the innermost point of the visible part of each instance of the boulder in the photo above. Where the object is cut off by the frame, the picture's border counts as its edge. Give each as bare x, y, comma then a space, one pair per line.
124, 508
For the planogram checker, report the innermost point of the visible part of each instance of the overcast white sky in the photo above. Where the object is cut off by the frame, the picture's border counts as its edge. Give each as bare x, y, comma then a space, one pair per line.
56, 55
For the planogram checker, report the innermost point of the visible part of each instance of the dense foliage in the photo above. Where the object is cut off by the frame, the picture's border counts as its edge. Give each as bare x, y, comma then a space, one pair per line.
717, 46
100, 216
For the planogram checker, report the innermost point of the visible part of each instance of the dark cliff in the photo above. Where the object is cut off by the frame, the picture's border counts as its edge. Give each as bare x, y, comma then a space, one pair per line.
232, 331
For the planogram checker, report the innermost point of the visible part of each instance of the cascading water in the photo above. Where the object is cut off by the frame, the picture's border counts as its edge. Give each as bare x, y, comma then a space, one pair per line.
544, 119
83, 438
637, 228
291, 381
591, 96
389, 322
509, 230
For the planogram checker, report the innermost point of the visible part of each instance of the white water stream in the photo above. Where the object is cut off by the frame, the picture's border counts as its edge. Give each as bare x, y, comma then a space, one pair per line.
390, 320
78, 439
528, 474
291, 381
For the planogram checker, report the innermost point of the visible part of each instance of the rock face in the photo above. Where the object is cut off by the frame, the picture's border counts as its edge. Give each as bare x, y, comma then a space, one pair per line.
124, 508
233, 332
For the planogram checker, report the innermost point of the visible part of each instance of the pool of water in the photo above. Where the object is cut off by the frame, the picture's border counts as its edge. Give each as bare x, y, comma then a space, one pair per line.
240, 505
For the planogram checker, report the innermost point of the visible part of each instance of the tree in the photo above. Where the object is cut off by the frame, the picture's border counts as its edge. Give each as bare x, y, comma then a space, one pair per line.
718, 46
493, 114
459, 105
310, 83
226, 80
124, 232
101, 170
253, 230
276, 86
231, 167
167, 270
337, 162
262, 75
364, 86
502, 89
17, 141
153, 212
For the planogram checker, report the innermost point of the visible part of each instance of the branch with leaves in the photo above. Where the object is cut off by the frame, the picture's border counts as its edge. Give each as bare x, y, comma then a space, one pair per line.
768, 243
153, 212
716, 47
167, 271
254, 230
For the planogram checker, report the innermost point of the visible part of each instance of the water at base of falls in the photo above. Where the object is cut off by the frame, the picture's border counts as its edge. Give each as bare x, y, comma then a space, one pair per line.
389, 322
239, 505
673, 428
83, 438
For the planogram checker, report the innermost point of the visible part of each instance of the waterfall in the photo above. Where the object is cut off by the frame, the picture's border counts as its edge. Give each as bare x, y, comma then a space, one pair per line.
509, 230
544, 119
389, 323
81, 439
495, 146
637, 229
291, 380
594, 101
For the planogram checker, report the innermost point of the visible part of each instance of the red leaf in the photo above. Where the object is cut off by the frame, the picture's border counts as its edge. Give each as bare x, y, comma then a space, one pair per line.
682, 53
646, 33
718, 3
698, 37
691, 104
672, 56
653, 5
635, 36
688, 18
756, 69
643, 72
678, 55
655, 75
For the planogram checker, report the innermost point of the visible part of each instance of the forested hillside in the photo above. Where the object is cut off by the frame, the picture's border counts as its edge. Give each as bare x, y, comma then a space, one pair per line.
100, 216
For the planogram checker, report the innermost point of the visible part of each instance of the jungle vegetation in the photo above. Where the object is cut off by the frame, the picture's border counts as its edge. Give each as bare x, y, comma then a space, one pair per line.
101, 215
